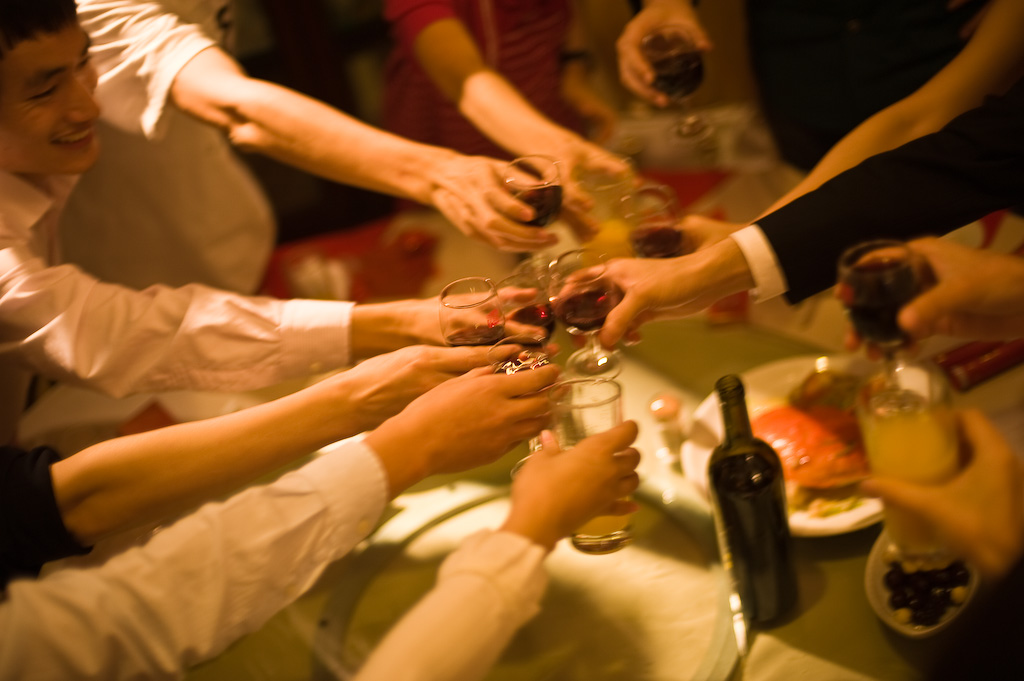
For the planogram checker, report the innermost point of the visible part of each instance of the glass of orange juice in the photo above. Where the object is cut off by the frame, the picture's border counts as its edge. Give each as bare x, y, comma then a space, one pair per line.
909, 432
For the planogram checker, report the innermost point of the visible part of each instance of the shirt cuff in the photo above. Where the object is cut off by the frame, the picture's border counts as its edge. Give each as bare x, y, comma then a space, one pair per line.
319, 331
769, 279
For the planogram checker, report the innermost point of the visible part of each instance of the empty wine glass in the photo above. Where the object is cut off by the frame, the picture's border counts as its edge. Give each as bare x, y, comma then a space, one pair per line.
678, 71
581, 296
470, 313
505, 360
524, 301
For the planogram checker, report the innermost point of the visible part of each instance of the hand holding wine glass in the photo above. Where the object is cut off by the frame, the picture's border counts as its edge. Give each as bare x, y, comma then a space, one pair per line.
524, 301
877, 279
581, 296
470, 313
678, 66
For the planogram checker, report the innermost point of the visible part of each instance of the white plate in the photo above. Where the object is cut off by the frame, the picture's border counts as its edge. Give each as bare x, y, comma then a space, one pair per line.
878, 594
767, 387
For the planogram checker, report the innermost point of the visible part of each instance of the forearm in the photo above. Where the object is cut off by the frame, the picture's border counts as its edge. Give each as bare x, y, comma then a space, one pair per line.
153, 476
196, 586
262, 117
499, 111
382, 327
486, 590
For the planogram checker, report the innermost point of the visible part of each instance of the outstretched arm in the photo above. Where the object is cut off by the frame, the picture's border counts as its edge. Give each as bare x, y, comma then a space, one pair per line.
269, 119
990, 62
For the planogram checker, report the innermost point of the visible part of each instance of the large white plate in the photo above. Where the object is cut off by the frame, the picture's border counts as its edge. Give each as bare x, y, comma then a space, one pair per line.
767, 387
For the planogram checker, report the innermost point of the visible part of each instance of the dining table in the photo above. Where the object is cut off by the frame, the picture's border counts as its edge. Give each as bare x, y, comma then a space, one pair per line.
658, 610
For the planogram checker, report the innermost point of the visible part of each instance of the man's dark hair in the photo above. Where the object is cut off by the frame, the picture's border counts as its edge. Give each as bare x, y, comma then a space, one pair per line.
25, 19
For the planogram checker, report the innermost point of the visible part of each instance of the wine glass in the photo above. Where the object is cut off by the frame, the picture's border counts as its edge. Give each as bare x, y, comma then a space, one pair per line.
536, 181
876, 279
581, 408
524, 301
654, 213
678, 71
581, 296
470, 313
530, 356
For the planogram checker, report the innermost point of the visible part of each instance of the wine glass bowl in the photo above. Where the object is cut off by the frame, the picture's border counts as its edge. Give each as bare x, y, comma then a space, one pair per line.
535, 180
581, 296
525, 304
654, 213
470, 313
876, 279
678, 71
677, 63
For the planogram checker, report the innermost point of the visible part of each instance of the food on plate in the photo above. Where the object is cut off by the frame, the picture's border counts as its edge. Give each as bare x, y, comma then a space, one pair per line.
818, 440
820, 446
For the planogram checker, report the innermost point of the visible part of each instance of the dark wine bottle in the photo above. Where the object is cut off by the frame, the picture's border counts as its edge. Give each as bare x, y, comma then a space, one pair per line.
749, 501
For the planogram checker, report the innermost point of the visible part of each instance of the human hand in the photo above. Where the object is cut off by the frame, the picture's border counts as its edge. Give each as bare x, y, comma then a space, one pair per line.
470, 192
980, 511
556, 492
463, 423
383, 385
634, 70
702, 232
673, 287
977, 293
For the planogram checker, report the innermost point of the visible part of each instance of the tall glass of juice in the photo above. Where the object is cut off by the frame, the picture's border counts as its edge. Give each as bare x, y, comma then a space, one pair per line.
909, 432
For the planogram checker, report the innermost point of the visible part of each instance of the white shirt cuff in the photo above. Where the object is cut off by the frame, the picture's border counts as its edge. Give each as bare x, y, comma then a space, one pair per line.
769, 280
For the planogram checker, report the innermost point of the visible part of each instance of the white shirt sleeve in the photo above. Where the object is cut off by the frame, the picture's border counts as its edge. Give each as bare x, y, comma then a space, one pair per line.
196, 586
486, 590
769, 279
138, 48
108, 337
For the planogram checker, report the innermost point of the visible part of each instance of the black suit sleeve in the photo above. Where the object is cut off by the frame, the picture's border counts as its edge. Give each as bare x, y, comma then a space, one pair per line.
32, 531
932, 185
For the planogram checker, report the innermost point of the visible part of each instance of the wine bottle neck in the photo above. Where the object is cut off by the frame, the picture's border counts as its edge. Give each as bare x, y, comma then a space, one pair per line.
736, 420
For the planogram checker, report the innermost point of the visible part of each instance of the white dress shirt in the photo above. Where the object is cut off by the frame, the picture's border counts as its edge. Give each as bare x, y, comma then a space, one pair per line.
168, 201
63, 323
769, 279
198, 585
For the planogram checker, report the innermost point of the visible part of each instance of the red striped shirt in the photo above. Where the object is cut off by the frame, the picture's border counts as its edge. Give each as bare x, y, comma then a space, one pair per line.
521, 39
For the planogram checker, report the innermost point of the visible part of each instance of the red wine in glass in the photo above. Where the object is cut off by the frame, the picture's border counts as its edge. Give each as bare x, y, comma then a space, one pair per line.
677, 74
539, 316
546, 203
876, 280
655, 240
587, 309
476, 336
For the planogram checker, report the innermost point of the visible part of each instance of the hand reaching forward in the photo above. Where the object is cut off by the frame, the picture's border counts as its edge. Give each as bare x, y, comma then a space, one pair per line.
382, 386
634, 70
673, 287
470, 192
556, 492
465, 422
977, 293
980, 512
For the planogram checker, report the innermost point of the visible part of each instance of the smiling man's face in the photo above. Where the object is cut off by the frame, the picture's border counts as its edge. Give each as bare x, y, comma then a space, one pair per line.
47, 109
